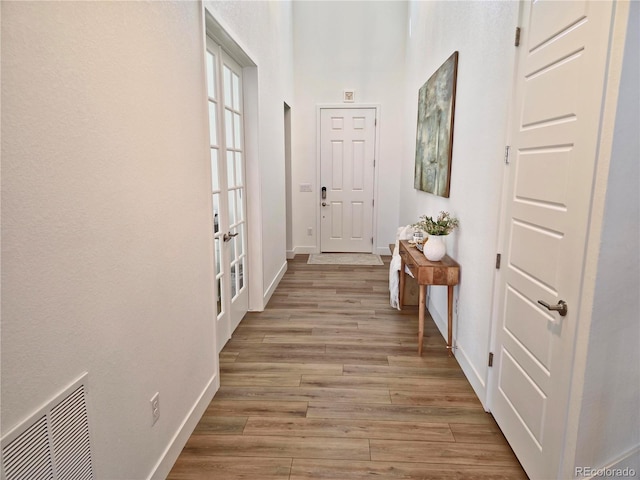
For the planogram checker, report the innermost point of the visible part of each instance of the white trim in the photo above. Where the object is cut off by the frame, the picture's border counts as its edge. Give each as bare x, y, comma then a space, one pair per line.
472, 374
306, 250
179, 440
374, 223
274, 284
225, 37
291, 254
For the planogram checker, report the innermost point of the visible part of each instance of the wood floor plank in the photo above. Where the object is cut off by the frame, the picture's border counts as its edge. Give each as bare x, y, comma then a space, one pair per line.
276, 356
347, 428
480, 434
253, 380
306, 469
443, 368
326, 383
304, 394
278, 446
253, 408
221, 425
400, 413
401, 386
208, 467
269, 369
437, 452
436, 398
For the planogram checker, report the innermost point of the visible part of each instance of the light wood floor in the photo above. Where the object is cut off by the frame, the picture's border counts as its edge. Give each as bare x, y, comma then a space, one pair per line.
326, 384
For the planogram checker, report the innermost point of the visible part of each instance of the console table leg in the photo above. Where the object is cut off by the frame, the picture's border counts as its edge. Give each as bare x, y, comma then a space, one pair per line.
450, 319
422, 306
402, 282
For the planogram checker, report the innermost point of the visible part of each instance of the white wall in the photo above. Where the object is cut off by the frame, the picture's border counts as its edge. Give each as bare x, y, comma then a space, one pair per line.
264, 31
338, 46
106, 222
482, 33
609, 432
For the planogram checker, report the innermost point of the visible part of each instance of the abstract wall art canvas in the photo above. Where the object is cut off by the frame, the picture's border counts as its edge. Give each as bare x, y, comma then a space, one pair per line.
434, 139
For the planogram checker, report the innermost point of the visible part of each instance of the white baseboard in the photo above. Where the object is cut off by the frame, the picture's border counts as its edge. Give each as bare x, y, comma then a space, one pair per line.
291, 254
177, 443
626, 465
308, 250
274, 284
473, 376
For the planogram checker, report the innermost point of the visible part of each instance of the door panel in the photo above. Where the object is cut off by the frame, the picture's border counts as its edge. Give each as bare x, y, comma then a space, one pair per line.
224, 84
558, 93
347, 155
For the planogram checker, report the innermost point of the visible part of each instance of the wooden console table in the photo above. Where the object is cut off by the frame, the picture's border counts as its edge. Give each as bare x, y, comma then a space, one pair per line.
445, 272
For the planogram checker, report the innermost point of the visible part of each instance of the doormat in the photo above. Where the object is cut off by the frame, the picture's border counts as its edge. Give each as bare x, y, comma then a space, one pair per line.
344, 259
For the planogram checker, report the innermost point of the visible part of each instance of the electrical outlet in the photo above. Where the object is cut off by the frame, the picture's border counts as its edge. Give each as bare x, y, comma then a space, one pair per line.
155, 407
309, 231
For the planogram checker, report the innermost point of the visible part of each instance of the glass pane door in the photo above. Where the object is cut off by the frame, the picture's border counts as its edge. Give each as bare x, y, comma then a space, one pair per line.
236, 205
224, 84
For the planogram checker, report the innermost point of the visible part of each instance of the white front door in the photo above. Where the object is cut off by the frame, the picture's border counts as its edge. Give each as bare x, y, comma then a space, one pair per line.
347, 162
556, 118
224, 89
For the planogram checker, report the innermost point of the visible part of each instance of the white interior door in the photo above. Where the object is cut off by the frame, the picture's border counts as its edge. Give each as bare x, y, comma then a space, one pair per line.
347, 162
557, 105
224, 81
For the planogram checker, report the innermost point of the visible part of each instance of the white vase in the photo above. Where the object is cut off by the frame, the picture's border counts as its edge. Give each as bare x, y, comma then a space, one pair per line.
434, 248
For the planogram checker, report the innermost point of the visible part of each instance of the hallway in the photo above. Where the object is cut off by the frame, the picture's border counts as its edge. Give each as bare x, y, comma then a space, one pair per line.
326, 384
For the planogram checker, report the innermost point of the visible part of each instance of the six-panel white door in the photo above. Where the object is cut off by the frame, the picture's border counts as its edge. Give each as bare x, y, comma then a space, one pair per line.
347, 160
557, 106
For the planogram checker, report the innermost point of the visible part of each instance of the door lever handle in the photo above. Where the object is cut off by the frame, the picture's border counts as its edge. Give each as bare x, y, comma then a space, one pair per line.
228, 236
561, 307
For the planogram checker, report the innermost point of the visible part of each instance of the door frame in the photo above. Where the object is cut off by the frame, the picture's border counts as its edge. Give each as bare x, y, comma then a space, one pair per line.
376, 155
217, 30
579, 355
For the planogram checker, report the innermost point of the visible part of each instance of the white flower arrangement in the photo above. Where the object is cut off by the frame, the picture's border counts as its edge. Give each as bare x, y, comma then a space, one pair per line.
443, 225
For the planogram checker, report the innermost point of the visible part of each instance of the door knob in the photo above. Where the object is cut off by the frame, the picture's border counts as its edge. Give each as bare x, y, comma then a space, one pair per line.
324, 204
228, 236
561, 307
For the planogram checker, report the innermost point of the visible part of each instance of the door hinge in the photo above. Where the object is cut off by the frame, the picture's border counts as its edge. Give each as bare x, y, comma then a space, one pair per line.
371, 240
517, 42
506, 154
491, 359
373, 202
374, 162
375, 122
498, 258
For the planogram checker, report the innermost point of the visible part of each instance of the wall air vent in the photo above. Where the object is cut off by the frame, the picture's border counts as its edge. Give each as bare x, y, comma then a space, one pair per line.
53, 443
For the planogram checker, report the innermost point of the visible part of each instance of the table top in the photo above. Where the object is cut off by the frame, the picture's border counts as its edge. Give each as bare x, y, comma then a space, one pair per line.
426, 272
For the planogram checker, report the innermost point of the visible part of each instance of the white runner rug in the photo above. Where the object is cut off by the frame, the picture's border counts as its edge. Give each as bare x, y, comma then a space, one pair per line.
344, 259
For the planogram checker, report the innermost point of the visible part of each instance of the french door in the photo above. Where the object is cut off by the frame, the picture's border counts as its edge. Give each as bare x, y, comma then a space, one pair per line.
224, 92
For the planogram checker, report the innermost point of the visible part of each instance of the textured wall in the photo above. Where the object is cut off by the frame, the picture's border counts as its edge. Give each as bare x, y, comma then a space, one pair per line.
106, 219
482, 33
348, 45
